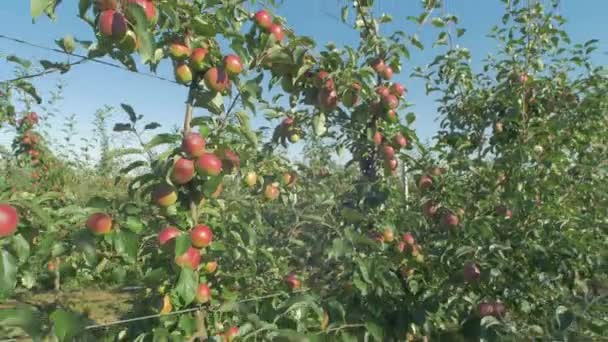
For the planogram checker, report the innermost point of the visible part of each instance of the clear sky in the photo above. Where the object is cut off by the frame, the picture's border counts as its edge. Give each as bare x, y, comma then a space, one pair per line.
90, 86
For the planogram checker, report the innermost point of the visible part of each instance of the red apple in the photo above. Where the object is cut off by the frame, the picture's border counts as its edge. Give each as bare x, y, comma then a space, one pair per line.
9, 219
387, 73
201, 236
164, 195
99, 223
485, 309
471, 272
263, 19
392, 164
391, 116
183, 171
191, 258
232, 64
149, 9
377, 138
388, 151
183, 74
429, 208
408, 238
450, 220
271, 192
230, 160
197, 59
378, 65
34, 154
179, 51
112, 24
383, 91
293, 282
328, 99
168, 234
425, 182
216, 79
399, 140
231, 334
390, 101
499, 309
210, 267
203, 294
323, 81
277, 32
287, 122
401, 246
397, 89
209, 164
193, 145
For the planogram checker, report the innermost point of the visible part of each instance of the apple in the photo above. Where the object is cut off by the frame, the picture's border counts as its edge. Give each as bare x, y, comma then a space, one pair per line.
377, 138
164, 195
9, 219
485, 309
289, 178
401, 246
388, 151
294, 138
277, 32
383, 91
271, 192
390, 101
391, 116
350, 98
232, 64
429, 208
99, 223
166, 306
216, 79
193, 145
387, 73
104, 5
263, 19
191, 258
210, 267
328, 99
499, 309
209, 164
32, 118
408, 238
183, 74
203, 294
392, 164
450, 220
378, 65
34, 154
179, 51
323, 81
129, 42
388, 235
183, 171
397, 89
112, 24
251, 179
230, 160
471, 272
197, 59
167, 234
399, 140
149, 9
231, 334
425, 182
293, 282
287, 122
201, 236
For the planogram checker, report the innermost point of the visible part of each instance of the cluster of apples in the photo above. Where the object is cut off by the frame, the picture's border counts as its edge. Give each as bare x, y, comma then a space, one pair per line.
9, 219
29, 140
115, 24
264, 21
430, 209
389, 148
289, 130
189, 62
271, 190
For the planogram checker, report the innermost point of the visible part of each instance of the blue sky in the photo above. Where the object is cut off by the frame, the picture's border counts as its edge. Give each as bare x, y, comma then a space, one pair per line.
90, 86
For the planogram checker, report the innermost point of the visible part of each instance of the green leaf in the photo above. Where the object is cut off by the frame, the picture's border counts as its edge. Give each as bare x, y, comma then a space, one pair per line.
143, 32
125, 243
67, 325
151, 126
375, 330
26, 318
161, 139
438, 22
8, 274
21, 247
130, 111
37, 7
134, 165
29, 89
186, 285
212, 101
83, 7
134, 224
182, 243
416, 42
344, 13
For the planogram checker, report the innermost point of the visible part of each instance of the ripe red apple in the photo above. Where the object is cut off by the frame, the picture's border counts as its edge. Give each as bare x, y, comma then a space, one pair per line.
168, 234
232, 64
383, 91
179, 51
425, 182
397, 89
263, 19
183, 74
164, 195
99, 223
183, 171
251, 179
197, 59
112, 24
203, 294
328, 99
499, 309
271, 192
378, 65
471, 272
450, 220
323, 81
429, 208
193, 145
9, 219
209, 164
230, 160
287, 122
401, 246
399, 140
408, 238
149, 9
388, 235
210, 267
390, 101
485, 309
191, 258
34, 154
388, 151
377, 138
231, 334
392, 164
201, 236
277, 32
387, 73
293, 282
391, 116
216, 79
